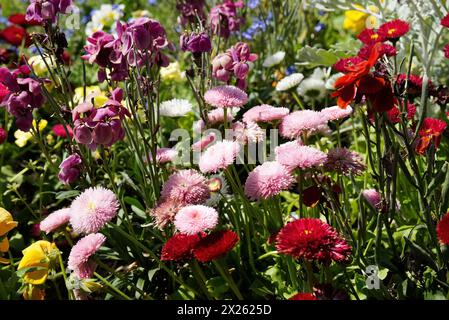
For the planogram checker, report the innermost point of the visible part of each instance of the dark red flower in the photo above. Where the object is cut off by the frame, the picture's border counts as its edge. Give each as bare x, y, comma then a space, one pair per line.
311, 196
3, 135
312, 239
180, 247
20, 20
59, 131
3, 92
445, 21
303, 296
325, 291
430, 131
394, 114
446, 51
343, 64
393, 30
383, 99
384, 49
443, 229
215, 245
369, 36
414, 87
15, 36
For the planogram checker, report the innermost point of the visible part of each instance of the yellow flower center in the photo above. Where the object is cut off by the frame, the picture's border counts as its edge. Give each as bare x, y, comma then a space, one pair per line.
391, 31
307, 232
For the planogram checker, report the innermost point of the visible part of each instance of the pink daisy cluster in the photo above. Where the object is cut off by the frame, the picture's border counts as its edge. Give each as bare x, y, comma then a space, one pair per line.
80, 261
294, 155
304, 122
192, 220
265, 113
226, 97
219, 156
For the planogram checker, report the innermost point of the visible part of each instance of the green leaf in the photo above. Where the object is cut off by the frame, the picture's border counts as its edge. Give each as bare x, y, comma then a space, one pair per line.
422, 253
151, 273
313, 57
67, 194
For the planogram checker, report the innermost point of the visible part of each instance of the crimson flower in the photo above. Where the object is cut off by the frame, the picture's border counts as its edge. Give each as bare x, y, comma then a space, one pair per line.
393, 30
20, 20
445, 21
446, 51
180, 247
343, 64
369, 36
59, 131
384, 49
394, 114
443, 229
431, 130
303, 296
3, 92
3, 135
312, 239
215, 245
15, 36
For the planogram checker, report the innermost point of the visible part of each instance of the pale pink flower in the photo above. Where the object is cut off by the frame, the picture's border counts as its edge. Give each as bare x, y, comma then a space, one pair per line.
247, 132
336, 113
80, 261
344, 161
302, 122
195, 219
226, 97
204, 142
217, 115
294, 155
92, 209
54, 220
219, 156
267, 180
164, 155
265, 113
164, 212
186, 187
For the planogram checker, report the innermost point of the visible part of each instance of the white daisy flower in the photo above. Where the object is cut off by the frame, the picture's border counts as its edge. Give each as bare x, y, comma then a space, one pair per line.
289, 82
312, 89
175, 108
274, 59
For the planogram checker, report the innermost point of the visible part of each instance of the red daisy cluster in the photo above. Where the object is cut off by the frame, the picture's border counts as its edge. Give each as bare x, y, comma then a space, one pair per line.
431, 131
312, 239
202, 247
443, 229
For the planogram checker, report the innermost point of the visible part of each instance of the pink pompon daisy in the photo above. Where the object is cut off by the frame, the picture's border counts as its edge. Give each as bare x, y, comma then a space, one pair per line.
294, 155
79, 259
164, 155
344, 161
247, 132
219, 156
336, 113
191, 220
217, 115
186, 187
268, 180
204, 142
226, 97
302, 122
92, 209
54, 220
164, 212
264, 113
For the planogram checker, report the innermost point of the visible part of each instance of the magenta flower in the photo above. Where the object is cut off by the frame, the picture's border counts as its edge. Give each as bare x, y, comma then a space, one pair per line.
189, 11
40, 10
80, 261
224, 18
195, 42
70, 169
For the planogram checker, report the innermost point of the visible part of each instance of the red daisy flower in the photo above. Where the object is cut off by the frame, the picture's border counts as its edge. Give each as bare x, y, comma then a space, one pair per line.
180, 247
3, 92
3, 135
369, 36
303, 296
15, 36
445, 21
394, 114
443, 229
215, 245
393, 30
59, 131
431, 130
384, 49
446, 51
343, 64
312, 239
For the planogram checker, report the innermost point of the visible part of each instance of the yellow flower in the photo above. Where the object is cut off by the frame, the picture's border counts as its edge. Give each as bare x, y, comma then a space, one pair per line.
34, 293
100, 97
7, 223
40, 65
172, 72
356, 20
22, 137
38, 255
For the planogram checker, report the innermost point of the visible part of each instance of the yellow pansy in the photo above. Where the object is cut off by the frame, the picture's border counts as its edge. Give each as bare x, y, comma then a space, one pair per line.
356, 20
22, 137
7, 223
39, 254
100, 97
40, 64
172, 72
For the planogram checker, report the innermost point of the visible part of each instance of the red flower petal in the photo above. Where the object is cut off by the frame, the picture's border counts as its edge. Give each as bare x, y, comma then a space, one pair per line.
215, 245
443, 229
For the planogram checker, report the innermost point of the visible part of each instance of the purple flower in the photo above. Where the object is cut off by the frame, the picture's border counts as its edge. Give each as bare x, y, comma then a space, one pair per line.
24, 95
195, 42
190, 10
224, 19
40, 10
70, 169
